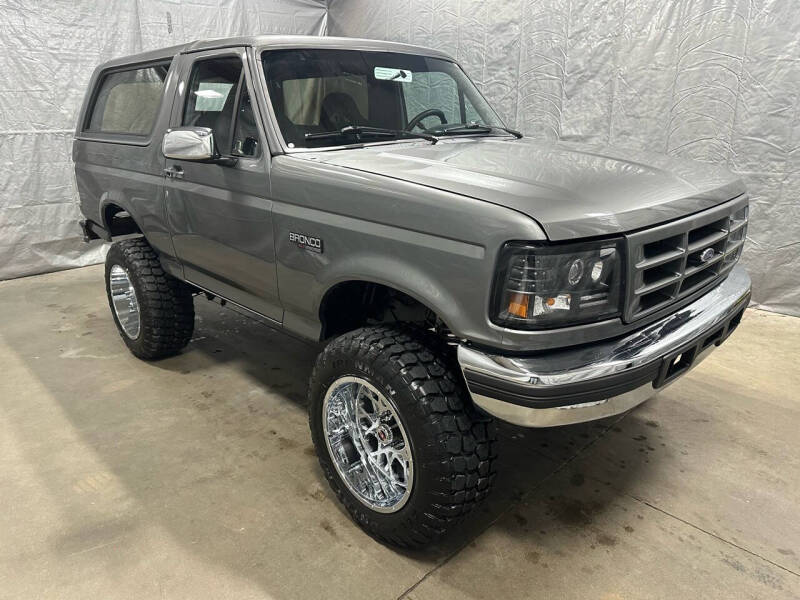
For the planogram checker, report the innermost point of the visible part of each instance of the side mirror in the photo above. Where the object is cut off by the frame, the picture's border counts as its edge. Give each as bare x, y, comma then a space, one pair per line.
193, 143
189, 143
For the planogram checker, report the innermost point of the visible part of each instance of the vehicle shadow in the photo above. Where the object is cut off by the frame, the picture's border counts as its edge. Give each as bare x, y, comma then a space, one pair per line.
277, 362
214, 450
527, 457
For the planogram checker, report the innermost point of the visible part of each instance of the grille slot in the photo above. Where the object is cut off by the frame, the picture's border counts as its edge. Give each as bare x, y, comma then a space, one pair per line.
673, 261
706, 235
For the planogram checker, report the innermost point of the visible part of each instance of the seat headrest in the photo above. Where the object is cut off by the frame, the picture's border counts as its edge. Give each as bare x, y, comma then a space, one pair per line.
339, 110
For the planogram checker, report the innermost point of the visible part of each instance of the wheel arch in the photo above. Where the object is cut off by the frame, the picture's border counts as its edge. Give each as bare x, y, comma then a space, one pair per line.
118, 219
366, 296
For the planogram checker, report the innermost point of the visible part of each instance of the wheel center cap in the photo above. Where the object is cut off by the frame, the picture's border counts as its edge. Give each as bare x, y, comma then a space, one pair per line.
384, 435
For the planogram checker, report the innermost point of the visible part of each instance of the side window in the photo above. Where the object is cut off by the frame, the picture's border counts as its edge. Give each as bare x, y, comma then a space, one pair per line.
432, 89
211, 98
127, 102
245, 133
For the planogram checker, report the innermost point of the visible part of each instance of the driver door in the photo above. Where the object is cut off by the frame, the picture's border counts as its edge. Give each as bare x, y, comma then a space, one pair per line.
220, 216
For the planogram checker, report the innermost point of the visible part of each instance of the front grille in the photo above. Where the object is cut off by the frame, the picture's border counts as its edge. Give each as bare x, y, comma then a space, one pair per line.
673, 261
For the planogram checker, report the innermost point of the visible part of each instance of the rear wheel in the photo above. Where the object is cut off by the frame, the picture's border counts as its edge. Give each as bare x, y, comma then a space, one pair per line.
401, 449
153, 311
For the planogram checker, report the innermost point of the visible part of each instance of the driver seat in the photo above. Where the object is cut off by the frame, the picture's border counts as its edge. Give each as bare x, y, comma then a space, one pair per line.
339, 110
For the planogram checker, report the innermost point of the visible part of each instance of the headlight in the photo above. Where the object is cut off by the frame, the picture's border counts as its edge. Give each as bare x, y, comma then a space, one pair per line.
541, 286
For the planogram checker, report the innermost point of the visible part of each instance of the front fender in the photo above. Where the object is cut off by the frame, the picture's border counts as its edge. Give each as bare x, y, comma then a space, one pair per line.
411, 280
435, 246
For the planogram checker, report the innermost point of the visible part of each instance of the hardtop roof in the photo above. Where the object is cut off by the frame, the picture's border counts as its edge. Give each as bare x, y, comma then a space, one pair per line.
275, 42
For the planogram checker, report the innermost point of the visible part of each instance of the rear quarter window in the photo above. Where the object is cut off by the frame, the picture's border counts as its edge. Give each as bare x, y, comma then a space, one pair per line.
127, 101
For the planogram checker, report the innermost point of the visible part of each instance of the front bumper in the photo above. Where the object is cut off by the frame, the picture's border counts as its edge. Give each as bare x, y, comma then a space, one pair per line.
606, 378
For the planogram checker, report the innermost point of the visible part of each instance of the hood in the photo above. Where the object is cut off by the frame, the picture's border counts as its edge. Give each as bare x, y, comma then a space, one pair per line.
571, 190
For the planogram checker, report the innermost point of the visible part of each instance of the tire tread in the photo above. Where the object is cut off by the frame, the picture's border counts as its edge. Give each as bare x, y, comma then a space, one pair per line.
464, 438
166, 303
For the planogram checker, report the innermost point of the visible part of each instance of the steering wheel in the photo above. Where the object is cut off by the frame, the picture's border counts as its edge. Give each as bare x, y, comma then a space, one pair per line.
431, 112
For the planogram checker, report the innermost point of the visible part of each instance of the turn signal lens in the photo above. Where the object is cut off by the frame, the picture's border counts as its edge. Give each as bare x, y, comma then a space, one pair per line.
518, 305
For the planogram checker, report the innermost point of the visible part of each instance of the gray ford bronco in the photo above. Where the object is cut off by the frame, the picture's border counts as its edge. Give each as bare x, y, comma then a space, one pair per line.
363, 195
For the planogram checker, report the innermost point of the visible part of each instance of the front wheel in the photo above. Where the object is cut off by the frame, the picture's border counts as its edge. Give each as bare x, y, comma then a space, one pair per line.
401, 449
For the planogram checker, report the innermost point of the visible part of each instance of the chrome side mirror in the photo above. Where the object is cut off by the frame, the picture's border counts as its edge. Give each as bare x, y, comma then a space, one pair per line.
190, 143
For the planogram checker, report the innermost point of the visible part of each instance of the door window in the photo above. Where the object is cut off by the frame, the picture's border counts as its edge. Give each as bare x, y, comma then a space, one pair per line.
245, 134
218, 98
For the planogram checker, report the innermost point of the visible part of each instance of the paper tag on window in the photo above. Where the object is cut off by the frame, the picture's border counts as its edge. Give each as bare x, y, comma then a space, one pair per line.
390, 74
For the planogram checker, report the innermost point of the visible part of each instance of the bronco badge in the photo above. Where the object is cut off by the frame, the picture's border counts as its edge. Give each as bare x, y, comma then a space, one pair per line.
312, 244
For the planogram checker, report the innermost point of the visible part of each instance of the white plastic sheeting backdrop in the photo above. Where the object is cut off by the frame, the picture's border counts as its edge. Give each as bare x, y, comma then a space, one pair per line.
49, 50
714, 80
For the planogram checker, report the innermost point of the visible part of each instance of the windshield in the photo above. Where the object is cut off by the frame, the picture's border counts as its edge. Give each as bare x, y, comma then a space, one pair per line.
324, 91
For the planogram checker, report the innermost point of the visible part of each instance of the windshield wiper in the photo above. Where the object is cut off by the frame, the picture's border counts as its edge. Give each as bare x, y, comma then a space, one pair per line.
473, 128
359, 130
514, 132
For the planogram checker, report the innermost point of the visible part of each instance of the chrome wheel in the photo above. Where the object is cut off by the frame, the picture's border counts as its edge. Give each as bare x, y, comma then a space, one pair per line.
368, 444
123, 297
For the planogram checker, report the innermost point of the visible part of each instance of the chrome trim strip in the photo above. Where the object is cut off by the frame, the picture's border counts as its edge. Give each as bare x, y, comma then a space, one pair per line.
585, 364
564, 415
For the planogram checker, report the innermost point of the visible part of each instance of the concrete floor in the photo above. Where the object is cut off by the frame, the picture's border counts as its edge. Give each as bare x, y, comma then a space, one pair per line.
194, 477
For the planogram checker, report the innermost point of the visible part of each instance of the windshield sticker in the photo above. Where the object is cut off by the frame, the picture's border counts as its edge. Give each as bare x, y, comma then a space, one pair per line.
390, 74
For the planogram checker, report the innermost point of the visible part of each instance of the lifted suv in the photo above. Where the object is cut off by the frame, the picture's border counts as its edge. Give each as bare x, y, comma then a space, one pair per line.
365, 195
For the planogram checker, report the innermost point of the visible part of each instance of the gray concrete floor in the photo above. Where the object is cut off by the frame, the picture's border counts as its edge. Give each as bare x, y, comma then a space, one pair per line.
194, 477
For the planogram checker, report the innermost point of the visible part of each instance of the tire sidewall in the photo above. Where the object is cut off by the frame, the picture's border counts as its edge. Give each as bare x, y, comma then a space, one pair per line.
380, 375
116, 256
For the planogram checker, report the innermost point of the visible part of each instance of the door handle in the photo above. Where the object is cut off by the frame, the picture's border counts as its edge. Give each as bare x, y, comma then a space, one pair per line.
175, 172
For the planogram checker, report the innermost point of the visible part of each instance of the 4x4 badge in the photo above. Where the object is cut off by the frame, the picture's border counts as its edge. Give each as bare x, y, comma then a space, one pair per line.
312, 244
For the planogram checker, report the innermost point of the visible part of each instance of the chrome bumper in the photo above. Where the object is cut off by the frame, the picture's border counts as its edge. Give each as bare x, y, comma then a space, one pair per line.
606, 378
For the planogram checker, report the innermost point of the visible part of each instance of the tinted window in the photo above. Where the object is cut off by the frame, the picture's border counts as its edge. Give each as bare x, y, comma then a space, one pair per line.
127, 101
436, 89
472, 114
211, 99
432, 89
245, 133
318, 91
302, 98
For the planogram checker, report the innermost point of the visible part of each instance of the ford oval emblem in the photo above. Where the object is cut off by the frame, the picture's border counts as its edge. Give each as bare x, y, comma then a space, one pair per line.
706, 255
